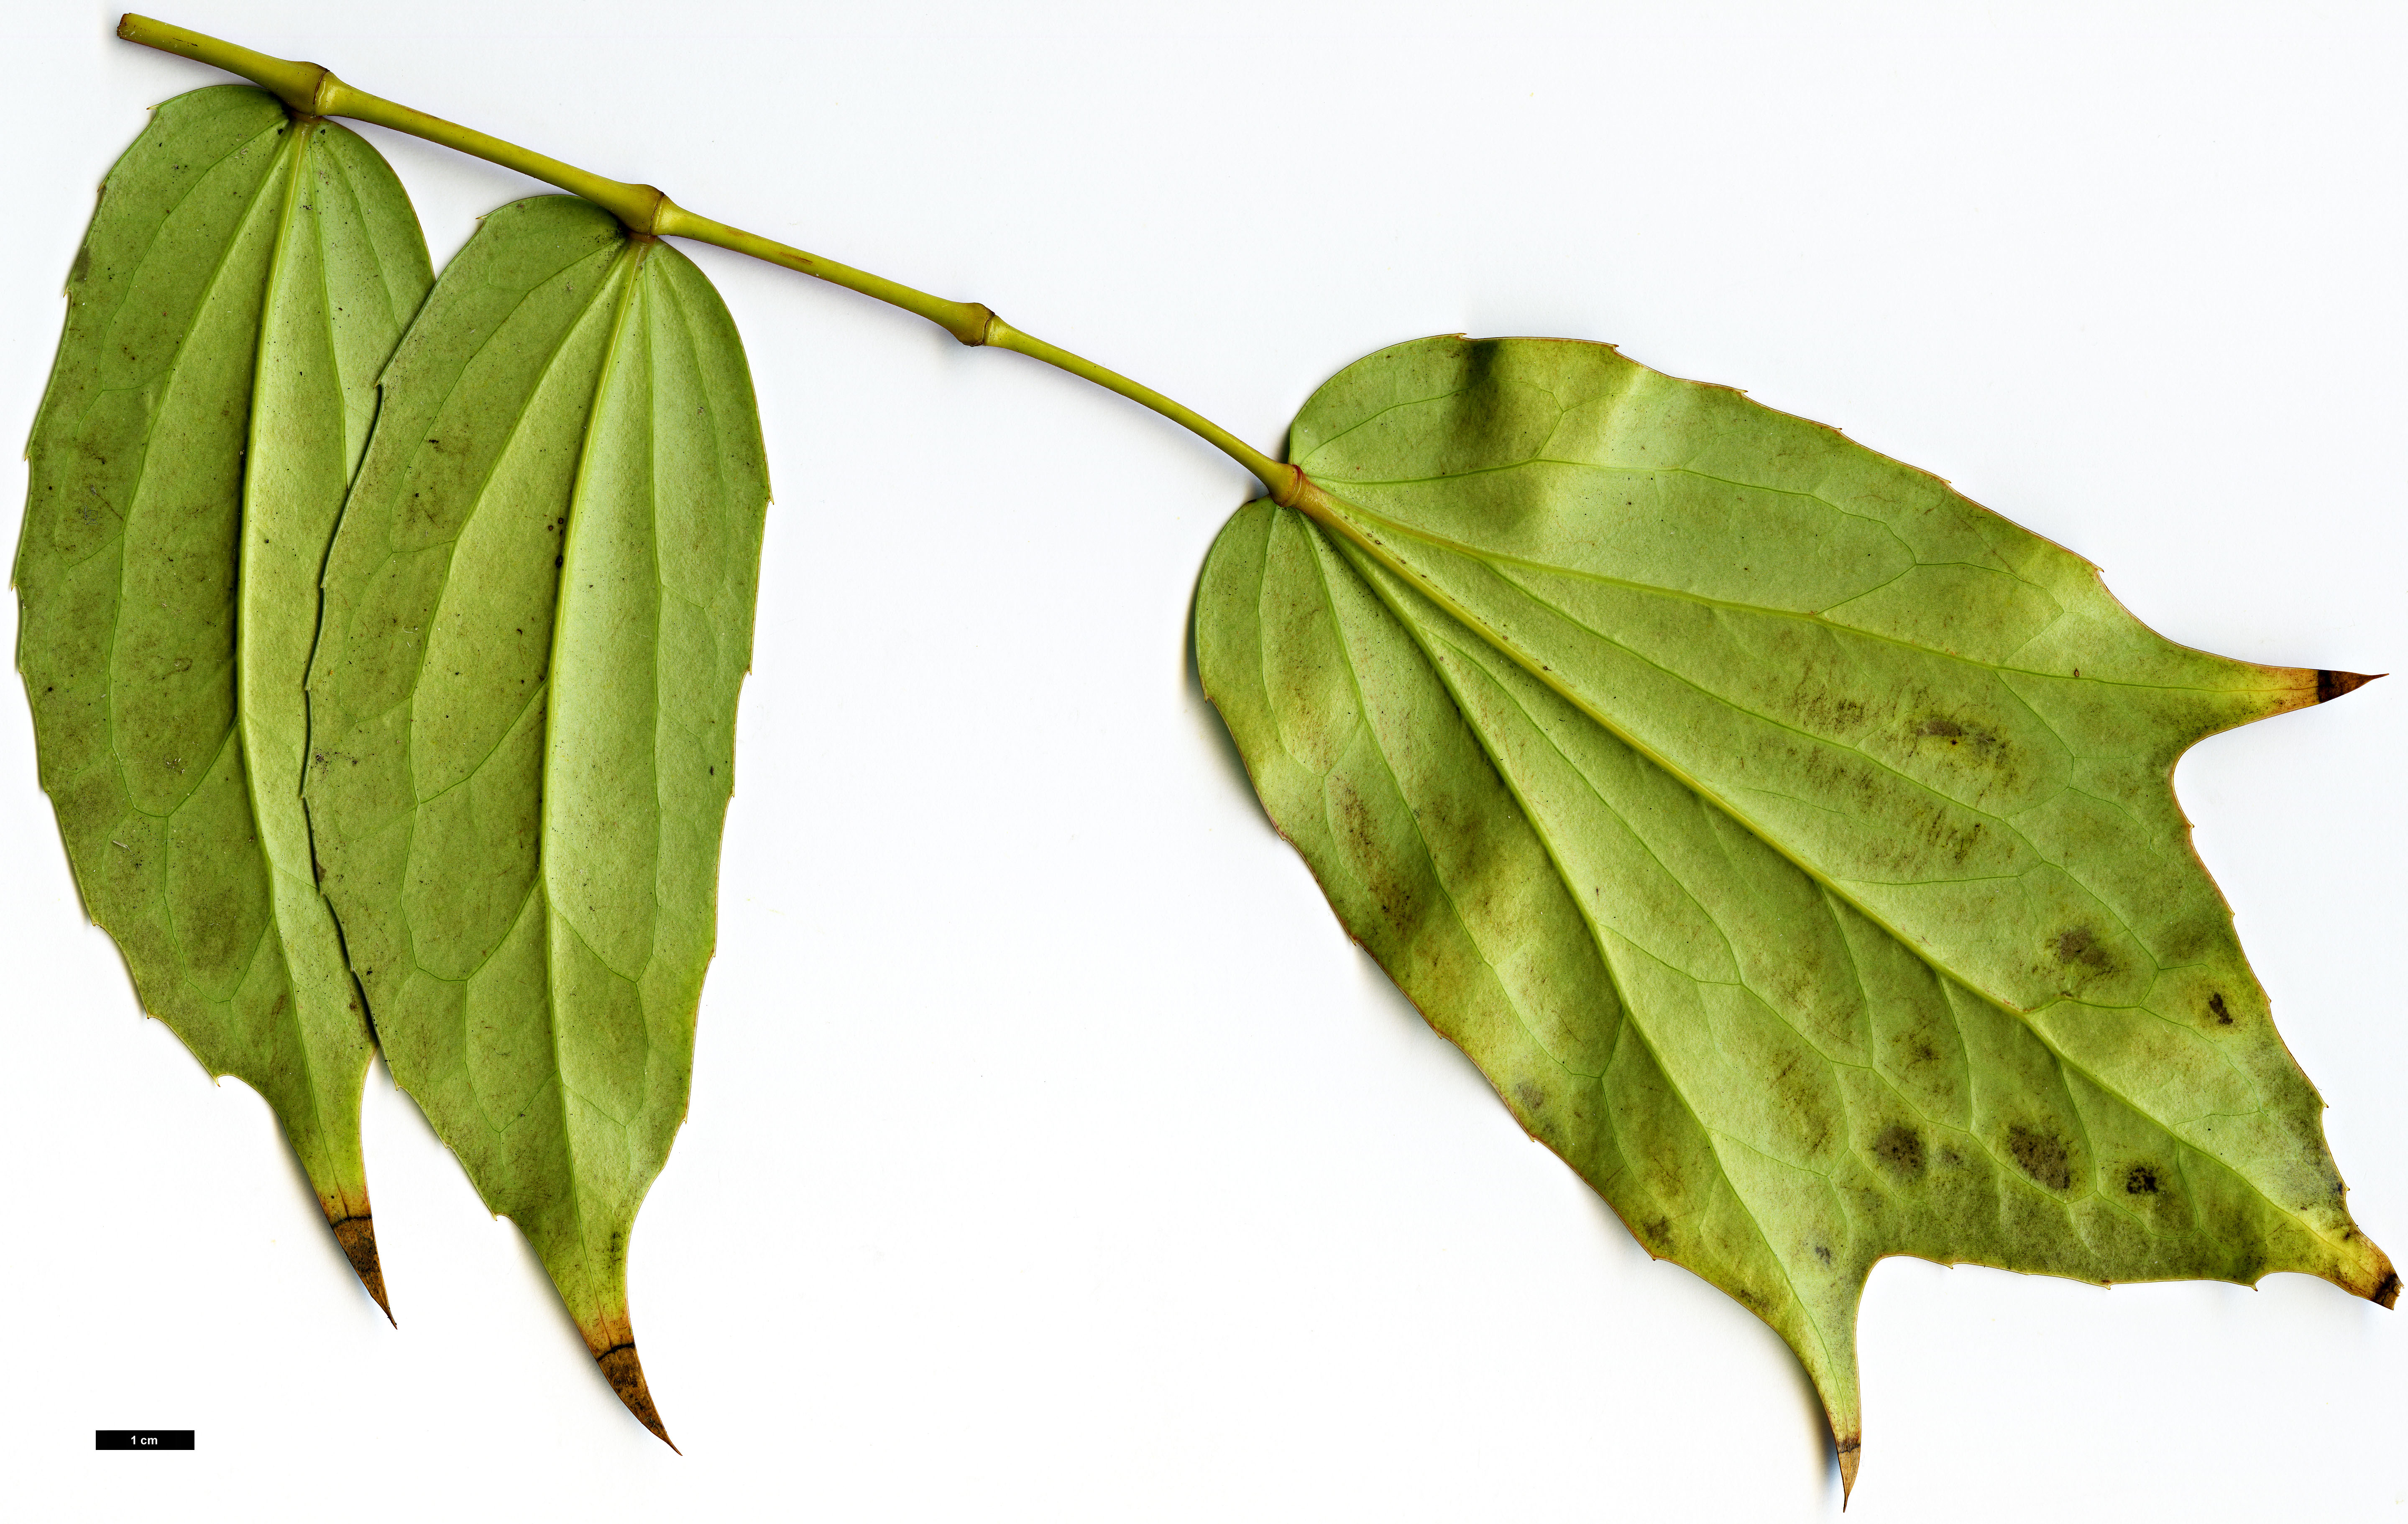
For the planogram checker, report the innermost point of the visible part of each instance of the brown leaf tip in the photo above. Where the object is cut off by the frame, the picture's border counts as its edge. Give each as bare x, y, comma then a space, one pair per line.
357, 1235
2331, 685
2386, 1290
625, 1374
1851, 1452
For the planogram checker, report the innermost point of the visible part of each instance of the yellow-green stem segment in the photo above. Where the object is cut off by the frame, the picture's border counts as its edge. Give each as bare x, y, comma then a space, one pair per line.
312, 89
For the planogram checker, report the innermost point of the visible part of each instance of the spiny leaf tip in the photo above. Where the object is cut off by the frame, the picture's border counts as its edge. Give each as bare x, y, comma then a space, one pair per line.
625, 1374
357, 1235
2331, 685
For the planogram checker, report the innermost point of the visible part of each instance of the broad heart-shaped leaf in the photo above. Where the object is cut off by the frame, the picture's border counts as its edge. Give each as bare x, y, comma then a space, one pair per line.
538, 613
1791, 842
244, 278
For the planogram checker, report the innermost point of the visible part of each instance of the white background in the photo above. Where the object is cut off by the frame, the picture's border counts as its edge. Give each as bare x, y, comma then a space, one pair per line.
1052, 1155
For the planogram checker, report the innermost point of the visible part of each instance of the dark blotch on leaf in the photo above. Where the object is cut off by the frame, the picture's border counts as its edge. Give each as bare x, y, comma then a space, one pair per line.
2216, 1003
1900, 1148
2078, 947
2042, 1157
2142, 1181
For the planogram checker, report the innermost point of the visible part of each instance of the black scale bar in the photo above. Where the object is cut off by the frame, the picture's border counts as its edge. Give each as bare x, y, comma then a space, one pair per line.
141, 1439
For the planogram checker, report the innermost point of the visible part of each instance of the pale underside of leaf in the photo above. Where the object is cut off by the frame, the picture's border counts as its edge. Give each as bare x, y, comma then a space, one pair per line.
244, 279
539, 614
1791, 842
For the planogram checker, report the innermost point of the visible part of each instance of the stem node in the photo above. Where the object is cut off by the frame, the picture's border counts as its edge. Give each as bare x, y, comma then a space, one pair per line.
646, 209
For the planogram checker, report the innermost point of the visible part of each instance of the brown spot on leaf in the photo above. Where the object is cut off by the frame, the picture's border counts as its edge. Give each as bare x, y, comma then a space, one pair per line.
2079, 945
2140, 1181
1823, 710
2216, 1003
2040, 1155
1395, 890
1979, 741
1529, 1093
1900, 1148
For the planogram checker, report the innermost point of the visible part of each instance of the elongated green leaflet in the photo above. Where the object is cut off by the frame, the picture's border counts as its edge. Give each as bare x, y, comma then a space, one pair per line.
1791, 842
244, 278
538, 613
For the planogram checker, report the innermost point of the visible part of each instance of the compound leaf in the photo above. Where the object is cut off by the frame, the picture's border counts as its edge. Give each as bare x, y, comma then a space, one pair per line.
1791, 842
245, 277
538, 612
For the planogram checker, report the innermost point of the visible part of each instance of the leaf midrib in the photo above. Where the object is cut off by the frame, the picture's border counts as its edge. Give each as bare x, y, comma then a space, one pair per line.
1821, 617
630, 261
279, 270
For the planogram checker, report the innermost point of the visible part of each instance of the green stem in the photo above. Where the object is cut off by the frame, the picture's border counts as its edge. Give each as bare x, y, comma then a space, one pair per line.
312, 90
